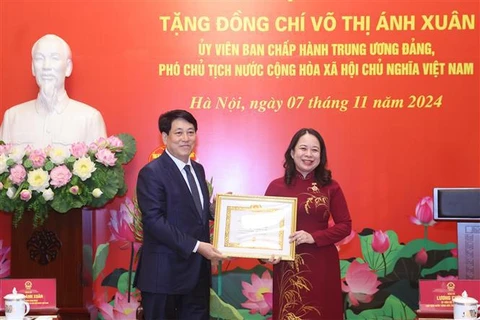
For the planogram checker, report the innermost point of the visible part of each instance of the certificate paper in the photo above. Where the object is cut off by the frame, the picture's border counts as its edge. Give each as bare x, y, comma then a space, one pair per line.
255, 226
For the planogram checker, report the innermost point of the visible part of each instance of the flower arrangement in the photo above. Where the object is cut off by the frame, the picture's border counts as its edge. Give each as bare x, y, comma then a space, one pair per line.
60, 179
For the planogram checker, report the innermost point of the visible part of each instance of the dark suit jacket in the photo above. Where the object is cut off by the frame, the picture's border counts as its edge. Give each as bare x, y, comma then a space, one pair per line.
171, 228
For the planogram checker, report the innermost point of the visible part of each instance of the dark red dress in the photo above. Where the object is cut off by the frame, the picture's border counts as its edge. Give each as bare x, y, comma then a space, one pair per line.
309, 287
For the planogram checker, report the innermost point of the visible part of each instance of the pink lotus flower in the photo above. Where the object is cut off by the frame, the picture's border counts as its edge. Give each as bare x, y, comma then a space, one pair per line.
28, 149
74, 190
268, 297
424, 212
5, 148
106, 157
38, 158
101, 143
115, 142
4, 263
17, 174
361, 283
421, 257
25, 195
120, 224
380, 241
60, 176
256, 292
121, 309
93, 147
78, 149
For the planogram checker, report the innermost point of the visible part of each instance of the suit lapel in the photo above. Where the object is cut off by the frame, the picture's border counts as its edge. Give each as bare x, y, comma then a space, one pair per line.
203, 190
178, 176
203, 184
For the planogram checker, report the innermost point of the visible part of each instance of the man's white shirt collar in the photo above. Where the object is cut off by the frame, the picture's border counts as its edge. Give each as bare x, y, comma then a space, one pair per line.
180, 164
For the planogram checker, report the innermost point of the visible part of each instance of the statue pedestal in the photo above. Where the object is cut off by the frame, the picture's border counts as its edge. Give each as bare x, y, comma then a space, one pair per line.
60, 249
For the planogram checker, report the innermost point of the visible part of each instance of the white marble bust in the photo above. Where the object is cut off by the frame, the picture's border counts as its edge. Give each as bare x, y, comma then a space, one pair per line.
53, 118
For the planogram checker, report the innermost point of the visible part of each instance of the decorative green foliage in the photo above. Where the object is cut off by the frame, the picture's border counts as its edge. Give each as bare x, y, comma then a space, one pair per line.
122, 283
399, 269
53, 179
445, 264
100, 259
374, 259
222, 310
393, 308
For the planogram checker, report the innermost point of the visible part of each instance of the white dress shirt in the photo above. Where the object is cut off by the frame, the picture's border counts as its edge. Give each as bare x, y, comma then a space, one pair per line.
181, 165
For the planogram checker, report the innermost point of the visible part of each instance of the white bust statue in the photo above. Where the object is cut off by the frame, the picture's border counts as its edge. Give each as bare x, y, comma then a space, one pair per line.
53, 118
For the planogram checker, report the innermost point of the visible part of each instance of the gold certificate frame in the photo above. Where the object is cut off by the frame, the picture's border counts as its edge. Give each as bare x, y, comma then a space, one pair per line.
255, 226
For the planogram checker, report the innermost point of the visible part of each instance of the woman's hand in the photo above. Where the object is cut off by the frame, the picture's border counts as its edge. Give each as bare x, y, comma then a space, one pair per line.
272, 260
301, 237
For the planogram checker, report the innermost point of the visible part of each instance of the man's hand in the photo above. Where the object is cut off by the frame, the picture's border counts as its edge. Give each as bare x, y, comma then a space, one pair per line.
209, 252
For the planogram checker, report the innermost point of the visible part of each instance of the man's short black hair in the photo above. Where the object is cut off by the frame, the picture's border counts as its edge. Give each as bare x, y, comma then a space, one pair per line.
165, 120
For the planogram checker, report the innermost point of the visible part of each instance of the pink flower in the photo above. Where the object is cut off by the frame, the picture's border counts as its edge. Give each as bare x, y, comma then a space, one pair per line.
25, 195
121, 309
120, 223
380, 241
361, 283
28, 149
74, 190
60, 176
454, 252
106, 157
1, 185
17, 174
78, 149
37, 157
255, 293
424, 212
93, 147
268, 297
101, 143
4, 263
421, 257
115, 142
5, 148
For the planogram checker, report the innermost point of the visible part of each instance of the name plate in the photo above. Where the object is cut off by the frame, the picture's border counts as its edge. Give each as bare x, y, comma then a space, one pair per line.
39, 293
437, 295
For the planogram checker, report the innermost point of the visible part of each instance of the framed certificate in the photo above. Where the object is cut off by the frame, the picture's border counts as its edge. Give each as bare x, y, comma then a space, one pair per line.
255, 226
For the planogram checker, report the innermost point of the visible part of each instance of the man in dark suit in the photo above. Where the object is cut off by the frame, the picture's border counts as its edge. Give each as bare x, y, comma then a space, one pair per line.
174, 271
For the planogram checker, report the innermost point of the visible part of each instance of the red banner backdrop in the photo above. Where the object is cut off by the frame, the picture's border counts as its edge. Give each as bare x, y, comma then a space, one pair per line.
392, 86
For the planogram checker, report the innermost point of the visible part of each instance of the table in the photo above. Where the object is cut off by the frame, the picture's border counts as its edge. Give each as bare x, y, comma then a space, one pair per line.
38, 314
